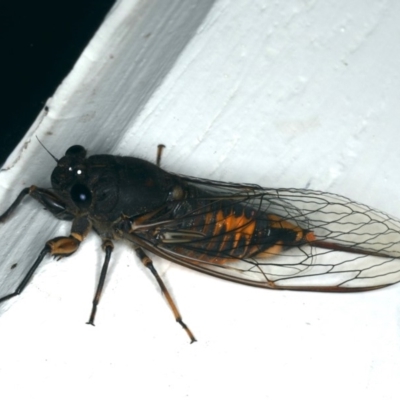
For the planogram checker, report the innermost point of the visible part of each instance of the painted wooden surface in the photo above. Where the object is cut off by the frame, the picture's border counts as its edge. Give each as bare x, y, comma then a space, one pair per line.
301, 94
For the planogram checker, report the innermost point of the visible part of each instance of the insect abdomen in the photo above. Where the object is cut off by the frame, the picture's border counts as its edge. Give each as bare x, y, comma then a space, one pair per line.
226, 230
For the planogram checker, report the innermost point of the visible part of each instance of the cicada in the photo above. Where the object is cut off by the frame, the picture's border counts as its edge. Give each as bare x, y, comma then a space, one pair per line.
292, 239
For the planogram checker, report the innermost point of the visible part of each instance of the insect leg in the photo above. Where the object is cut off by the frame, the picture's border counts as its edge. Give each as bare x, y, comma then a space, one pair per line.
46, 197
149, 264
160, 149
108, 248
59, 247
14, 205
28, 276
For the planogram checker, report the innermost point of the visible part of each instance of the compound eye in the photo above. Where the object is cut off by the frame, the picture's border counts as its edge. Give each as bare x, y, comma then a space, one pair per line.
81, 196
76, 151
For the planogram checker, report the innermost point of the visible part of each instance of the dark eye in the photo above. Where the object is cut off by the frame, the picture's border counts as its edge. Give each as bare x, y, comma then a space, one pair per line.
76, 151
81, 196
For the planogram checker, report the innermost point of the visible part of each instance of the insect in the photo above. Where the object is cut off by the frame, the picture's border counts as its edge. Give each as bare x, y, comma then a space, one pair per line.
272, 238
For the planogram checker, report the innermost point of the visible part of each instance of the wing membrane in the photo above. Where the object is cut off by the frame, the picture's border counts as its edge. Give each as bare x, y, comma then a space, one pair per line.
355, 247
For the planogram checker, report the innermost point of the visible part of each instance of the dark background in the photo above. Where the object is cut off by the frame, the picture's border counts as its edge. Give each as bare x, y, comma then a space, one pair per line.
40, 42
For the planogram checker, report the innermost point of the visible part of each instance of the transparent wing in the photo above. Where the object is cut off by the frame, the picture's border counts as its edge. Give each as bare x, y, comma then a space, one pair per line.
354, 247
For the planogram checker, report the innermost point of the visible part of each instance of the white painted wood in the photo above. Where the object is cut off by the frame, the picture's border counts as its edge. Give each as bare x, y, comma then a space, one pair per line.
285, 94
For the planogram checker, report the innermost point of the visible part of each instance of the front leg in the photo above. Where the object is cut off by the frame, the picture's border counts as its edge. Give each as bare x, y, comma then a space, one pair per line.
59, 247
48, 198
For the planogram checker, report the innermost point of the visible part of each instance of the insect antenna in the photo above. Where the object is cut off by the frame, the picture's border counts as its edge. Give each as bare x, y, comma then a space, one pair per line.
47, 149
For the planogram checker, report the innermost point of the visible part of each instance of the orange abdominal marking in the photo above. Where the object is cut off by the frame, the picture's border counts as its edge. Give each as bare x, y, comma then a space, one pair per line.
235, 232
272, 251
239, 226
279, 223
